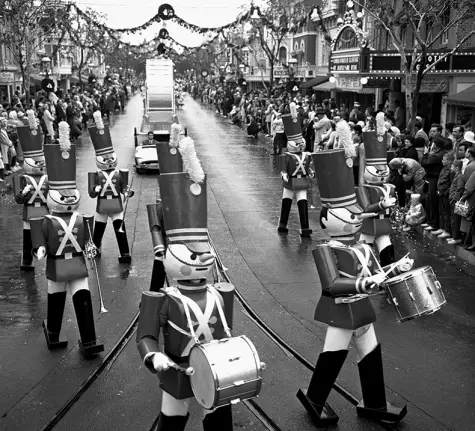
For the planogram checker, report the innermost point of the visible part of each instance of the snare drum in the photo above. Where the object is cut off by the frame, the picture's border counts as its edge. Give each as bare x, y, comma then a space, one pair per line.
415, 293
226, 371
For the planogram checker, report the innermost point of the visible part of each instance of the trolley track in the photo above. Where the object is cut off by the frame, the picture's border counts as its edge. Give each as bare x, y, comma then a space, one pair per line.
251, 404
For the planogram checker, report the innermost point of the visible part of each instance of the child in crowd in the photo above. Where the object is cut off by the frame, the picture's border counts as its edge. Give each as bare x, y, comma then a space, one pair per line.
455, 193
443, 189
415, 214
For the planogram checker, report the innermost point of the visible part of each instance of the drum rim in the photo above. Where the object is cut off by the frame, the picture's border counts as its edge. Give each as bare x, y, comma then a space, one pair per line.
404, 275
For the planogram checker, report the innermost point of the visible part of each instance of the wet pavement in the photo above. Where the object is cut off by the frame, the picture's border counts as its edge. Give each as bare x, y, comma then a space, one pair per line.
429, 362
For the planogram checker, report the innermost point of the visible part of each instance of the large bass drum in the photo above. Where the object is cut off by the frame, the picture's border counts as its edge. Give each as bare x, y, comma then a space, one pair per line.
415, 293
226, 371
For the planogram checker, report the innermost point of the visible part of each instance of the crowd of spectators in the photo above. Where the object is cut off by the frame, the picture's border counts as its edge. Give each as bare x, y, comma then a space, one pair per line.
76, 106
439, 166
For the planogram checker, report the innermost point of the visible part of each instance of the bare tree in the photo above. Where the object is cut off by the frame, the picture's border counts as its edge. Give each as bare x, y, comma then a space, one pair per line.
87, 36
428, 21
277, 19
27, 24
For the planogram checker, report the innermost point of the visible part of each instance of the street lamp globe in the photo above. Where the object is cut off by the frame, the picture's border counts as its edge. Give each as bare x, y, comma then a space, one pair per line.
364, 80
332, 79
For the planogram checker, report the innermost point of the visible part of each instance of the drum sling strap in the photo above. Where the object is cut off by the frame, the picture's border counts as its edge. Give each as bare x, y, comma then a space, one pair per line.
300, 167
202, 318
109, 184
68, 231
37, 186
385, 190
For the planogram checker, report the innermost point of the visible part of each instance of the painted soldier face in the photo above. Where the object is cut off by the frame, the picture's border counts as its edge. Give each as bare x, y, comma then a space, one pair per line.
63, 202
182, 263
34, 165
294, 147
106, 162
376, 174
340, 222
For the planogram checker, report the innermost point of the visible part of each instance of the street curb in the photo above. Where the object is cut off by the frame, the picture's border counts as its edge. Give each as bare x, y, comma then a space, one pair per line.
464, 257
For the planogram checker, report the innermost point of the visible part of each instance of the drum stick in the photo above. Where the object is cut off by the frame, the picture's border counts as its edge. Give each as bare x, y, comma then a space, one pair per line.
188, 371
391, 268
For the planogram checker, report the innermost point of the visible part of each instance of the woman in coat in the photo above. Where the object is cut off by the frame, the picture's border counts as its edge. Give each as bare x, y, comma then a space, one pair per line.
412, 172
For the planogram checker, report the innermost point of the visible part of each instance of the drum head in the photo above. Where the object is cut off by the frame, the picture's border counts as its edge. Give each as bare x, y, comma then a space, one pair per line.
409, 274
203, 380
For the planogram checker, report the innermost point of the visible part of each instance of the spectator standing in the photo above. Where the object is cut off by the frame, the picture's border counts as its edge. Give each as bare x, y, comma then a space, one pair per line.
422, 140
279, 135
321, 126
458, 135
455, 194
443, 190
6, 144
432, 163
469, 196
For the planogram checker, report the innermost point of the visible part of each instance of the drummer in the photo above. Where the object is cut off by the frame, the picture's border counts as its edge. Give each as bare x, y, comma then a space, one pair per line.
349, 272
191, 312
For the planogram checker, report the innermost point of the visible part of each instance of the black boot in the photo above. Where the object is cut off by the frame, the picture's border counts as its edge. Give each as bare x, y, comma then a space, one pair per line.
386, 255
220, 420
121, 237
27, 256
374, 402
284, 215
85, 317
158, 276
314, 399
54, 320
99, 229
171, 423
303, 214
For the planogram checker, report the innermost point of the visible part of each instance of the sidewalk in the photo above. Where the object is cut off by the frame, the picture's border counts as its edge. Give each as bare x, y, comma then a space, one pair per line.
465, 259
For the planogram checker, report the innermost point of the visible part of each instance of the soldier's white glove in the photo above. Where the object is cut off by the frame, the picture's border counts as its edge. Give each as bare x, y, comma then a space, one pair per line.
374, 281
27, 189
161, 362
388, 202
405, 265
285, 177
41, 253
97, 189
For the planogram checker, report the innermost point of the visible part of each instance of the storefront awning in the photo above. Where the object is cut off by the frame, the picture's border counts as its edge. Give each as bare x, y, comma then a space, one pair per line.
464, 98
326, 86
314, 81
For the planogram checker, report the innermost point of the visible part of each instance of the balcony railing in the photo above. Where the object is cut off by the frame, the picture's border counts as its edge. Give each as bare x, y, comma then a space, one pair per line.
62, 70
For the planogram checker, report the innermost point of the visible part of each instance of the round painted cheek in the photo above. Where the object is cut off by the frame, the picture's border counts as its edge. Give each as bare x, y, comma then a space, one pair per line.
185, 270
347, 228
375, 179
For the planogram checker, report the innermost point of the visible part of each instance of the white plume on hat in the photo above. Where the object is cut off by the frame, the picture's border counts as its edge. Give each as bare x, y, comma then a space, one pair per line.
380, 126
191, 164
469, 137
343, 132
32, 119
175, 132
98, 120
64, 140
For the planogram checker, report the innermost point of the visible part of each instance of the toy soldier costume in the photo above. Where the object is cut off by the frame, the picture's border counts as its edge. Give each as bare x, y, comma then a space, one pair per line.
170, 161
295, 175
349, 272
374, 194
31, 188
108, 185
61, 238
188, 259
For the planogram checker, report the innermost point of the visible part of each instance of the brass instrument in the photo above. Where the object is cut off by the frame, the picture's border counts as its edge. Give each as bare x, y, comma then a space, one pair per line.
90, 252
128, 193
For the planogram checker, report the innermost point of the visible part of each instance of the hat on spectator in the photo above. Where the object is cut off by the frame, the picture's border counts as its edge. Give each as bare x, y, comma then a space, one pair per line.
469, 137
357, 105
351, 124
360, 123
418, 118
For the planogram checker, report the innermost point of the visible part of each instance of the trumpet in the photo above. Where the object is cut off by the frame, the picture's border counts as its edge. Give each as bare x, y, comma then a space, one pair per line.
127, 193
90, 252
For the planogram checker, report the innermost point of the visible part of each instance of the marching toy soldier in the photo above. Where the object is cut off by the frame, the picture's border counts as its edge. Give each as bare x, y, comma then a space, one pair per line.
31, 188
349, 272
108, 185
61, 238
170, 161
295, 174
374, 194
191, 312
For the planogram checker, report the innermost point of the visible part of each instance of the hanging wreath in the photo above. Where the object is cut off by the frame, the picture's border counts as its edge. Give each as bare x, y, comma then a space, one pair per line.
161, 48
47, 85
163, 33
166, 12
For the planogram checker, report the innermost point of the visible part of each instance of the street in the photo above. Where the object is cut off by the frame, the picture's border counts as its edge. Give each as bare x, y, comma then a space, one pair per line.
429, 362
